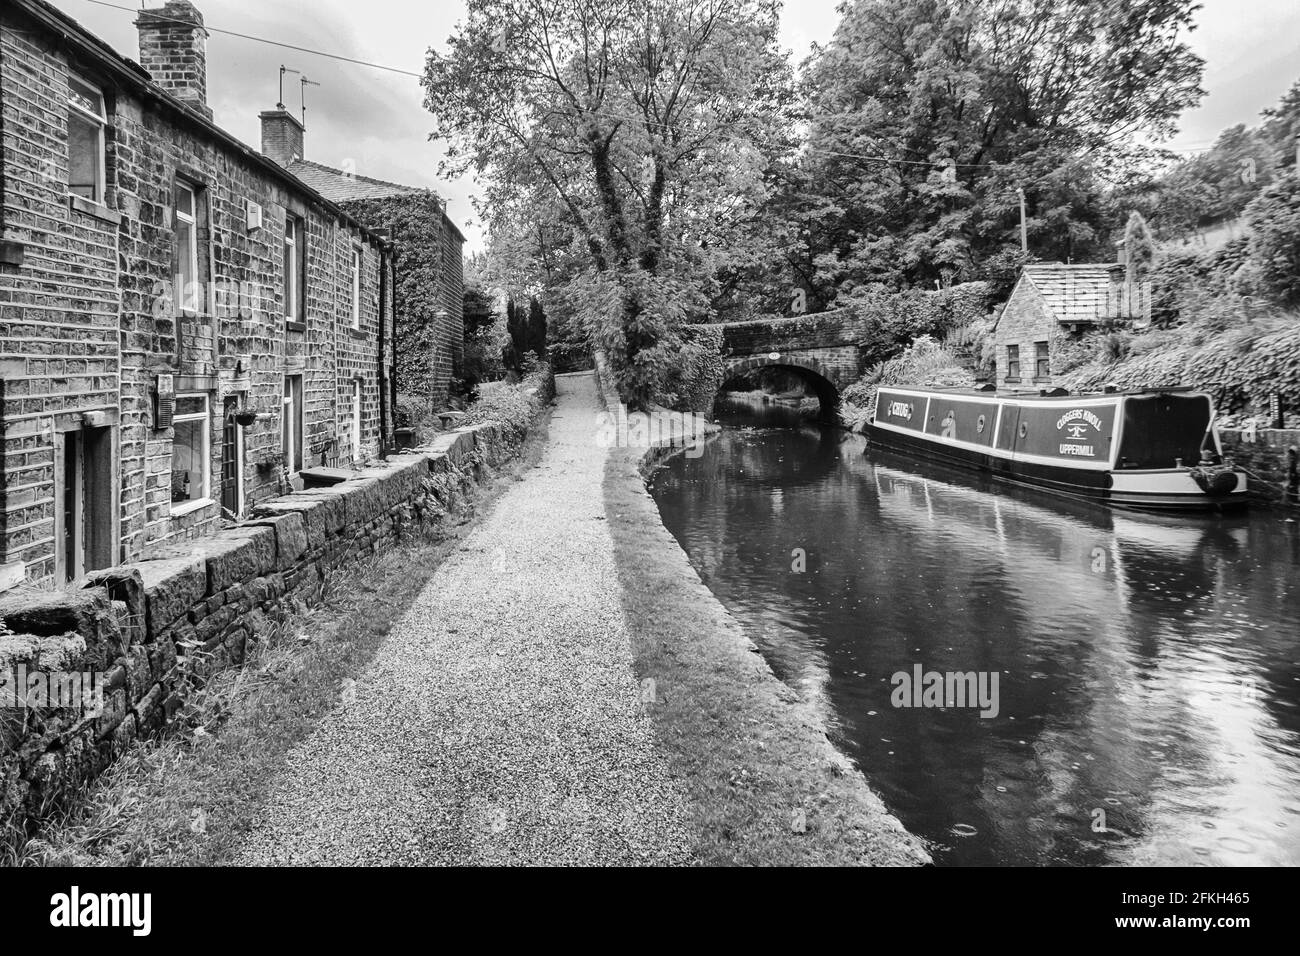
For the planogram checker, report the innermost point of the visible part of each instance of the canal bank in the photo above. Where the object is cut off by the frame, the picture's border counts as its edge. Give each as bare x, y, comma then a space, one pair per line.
763, 782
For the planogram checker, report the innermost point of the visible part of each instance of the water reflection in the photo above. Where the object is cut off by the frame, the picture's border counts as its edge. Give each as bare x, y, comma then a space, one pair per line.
1149, 667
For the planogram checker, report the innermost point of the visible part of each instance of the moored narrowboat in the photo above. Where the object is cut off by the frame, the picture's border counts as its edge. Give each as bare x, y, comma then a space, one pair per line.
1152, 449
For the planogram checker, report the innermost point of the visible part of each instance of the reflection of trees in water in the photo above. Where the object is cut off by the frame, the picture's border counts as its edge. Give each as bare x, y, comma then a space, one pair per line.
911, 565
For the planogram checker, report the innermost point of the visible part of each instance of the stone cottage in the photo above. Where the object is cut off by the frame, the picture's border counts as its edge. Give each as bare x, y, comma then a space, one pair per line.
185, 326
1052, 300
428, 256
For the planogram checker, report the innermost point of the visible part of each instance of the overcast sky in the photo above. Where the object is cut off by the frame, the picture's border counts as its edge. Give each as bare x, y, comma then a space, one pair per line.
376, 120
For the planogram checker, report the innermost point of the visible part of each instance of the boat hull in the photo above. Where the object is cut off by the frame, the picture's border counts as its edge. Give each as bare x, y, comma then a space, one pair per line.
1168, 489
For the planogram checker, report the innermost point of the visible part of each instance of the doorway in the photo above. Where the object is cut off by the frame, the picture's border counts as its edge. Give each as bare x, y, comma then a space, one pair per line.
232, 459
86, 502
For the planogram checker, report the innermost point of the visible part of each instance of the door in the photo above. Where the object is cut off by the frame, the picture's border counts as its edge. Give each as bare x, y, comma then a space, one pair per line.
86, 502
232, 460
72, 546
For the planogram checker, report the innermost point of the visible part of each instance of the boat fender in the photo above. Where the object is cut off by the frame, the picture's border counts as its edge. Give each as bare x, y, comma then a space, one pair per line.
1215, 481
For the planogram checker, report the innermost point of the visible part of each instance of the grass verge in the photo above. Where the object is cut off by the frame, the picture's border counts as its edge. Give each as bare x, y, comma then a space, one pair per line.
190, 799
766, 785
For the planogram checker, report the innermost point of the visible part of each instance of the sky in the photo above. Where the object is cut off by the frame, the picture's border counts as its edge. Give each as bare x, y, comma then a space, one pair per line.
374, 120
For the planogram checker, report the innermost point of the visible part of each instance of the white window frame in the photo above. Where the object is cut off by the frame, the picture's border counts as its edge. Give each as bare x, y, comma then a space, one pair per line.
356, 287
357, 391
294, 228
291, 423
184, 304
100, 119
205, 416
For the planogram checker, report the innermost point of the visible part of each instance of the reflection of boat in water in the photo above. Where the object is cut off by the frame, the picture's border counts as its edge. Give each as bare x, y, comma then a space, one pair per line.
1151, 450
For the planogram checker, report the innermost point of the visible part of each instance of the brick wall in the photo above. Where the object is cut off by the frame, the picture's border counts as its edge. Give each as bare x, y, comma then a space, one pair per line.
1025, 322
87, 321
173, 48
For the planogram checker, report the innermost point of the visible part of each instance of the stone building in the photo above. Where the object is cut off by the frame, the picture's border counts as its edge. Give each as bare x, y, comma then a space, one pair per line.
1052, 301
185, 326
428, 256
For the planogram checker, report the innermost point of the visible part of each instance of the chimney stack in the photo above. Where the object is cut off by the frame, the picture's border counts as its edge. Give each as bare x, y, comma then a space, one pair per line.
281, 135
173, 48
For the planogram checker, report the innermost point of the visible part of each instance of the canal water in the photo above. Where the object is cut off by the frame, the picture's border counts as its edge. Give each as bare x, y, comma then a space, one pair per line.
1148, 668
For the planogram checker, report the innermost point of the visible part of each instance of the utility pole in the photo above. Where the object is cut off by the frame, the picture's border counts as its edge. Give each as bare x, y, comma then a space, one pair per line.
1024, 229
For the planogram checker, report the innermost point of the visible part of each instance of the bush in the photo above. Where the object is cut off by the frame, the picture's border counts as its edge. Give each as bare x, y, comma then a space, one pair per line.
1241, 368
1274, 217
510, 405
693, 384
925, 363
892, 320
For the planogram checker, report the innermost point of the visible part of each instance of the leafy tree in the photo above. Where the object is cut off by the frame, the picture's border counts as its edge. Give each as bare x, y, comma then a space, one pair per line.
1139, 246
1274, 217
638, 133
1282, 129
926, 116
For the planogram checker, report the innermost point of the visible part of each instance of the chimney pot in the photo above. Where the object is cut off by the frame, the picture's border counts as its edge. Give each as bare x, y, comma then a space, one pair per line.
173, 48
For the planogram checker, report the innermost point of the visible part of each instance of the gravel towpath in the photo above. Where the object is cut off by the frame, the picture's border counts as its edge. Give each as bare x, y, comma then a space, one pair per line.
500, 721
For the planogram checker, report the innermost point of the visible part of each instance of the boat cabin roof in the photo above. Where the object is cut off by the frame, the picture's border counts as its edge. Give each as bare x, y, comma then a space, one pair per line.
1040, 395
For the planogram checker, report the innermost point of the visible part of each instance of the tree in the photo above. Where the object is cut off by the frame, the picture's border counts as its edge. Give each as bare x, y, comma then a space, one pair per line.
1274, 218
927, 115
624, 147
1139, 246
1282, 129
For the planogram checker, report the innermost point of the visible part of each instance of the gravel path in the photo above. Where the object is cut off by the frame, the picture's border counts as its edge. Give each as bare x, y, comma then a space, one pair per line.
500, 722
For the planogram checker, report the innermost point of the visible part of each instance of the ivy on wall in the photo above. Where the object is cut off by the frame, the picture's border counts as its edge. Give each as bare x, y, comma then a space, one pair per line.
425, 282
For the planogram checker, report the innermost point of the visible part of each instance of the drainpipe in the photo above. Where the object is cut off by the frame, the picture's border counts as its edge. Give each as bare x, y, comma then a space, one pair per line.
383, 377
392, 369
4, 541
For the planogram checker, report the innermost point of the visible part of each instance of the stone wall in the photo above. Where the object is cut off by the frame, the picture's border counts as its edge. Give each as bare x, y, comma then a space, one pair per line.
90, 318
1273, 458
158, 629
1025, 321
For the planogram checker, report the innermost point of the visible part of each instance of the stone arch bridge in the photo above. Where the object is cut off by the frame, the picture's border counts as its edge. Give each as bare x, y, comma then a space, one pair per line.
823, 348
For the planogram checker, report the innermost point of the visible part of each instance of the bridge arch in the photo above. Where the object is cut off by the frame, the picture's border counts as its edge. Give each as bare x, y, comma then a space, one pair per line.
821, 379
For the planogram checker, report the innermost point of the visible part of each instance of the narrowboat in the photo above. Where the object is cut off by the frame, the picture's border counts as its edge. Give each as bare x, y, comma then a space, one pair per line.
1154, 449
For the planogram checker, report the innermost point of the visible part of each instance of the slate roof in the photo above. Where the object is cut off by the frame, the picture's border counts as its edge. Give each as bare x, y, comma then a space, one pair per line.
342, 187
339, 186
1075, 293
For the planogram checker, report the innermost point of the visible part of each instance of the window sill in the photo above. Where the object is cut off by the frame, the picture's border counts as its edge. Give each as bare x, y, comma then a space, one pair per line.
92, 208
1012, 380
1042, 380
180, 511
291, 326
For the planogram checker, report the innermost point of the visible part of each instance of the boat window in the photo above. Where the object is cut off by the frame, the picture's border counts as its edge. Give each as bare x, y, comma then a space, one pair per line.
1160, 429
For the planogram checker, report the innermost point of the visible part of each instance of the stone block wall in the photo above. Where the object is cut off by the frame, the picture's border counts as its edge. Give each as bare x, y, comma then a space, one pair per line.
1025, 321
1273, 457
157, 629
88, 321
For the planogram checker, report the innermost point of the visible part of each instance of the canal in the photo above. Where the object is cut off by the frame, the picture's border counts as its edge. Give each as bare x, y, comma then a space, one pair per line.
1147, 668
